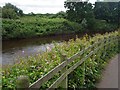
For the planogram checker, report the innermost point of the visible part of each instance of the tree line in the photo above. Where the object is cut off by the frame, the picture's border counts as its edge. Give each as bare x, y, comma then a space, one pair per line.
76, 11
79, 11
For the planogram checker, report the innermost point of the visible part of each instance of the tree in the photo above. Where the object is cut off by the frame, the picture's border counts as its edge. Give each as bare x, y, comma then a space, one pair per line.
31, 14
113, 7
61, 14
20, 12
108, 11
0, 12
80, 11
11, 11
77, 11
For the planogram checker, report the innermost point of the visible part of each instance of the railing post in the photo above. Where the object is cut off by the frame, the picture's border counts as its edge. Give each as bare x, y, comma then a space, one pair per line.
22, 83
105, 47
64, 83
99, 44
117, 43
114, 46
110, 48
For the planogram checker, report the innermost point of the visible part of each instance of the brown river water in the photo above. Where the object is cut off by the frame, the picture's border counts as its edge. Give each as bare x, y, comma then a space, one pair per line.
12, 49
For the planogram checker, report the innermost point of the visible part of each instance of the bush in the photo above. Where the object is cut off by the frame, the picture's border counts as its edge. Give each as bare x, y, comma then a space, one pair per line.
103, 26
36, 26
30, 26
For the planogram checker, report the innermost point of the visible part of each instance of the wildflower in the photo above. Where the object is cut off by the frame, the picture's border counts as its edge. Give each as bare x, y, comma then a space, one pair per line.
48, 48
45, 69
47, 62
23, 51
37, 54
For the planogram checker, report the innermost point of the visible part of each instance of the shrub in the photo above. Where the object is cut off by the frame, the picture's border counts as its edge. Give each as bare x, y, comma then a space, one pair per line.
28, 27
103, 26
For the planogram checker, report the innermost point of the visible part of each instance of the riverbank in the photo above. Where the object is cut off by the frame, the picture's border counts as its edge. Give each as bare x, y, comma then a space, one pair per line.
35, 26
37, 66
29, 27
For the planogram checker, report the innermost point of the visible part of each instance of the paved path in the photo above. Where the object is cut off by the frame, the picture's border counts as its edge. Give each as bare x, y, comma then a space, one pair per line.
110, 74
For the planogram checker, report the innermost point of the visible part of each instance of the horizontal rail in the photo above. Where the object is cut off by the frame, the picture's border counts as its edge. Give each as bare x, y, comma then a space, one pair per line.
51, 73
62, 77
58, 81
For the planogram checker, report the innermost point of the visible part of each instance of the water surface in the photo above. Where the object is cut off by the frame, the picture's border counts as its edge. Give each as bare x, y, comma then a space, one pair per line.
12, 49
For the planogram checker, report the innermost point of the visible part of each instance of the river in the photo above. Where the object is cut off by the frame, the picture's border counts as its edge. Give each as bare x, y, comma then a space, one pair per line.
12, 49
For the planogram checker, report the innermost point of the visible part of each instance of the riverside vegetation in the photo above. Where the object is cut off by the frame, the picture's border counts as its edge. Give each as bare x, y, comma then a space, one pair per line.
36, 66
32, 26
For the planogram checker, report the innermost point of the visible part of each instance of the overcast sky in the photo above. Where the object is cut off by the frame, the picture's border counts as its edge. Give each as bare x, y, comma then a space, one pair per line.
38, 6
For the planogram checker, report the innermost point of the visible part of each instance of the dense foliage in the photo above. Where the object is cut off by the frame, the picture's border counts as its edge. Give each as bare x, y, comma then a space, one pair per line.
11, 11
110, 11
80, 11
85, 75
30, 26
77, 11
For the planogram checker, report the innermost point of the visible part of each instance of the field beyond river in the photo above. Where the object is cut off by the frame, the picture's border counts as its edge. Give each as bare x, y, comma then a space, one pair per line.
37, 26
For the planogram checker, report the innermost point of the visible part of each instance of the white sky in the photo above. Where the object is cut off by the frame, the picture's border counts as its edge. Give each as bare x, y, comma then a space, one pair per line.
38, 6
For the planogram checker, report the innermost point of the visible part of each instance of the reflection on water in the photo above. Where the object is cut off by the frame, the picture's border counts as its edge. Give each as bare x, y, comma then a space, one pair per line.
10, 56
20, 48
